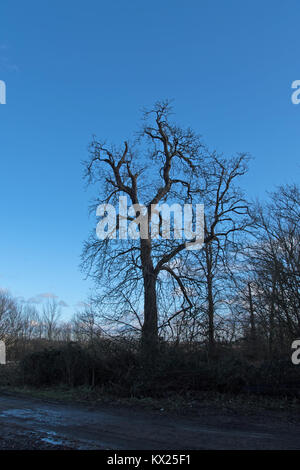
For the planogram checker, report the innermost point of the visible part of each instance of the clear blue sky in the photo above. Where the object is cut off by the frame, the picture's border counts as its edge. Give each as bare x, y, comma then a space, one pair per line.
74, 69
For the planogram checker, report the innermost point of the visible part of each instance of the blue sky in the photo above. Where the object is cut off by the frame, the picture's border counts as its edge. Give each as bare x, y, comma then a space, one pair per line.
74, 69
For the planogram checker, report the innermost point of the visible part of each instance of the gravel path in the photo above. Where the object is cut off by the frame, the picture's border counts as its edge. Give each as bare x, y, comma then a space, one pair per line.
27, 423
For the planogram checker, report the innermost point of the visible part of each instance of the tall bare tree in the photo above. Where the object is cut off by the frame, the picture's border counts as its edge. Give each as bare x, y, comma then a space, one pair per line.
10, 318
50, 317
165, 164
269, 298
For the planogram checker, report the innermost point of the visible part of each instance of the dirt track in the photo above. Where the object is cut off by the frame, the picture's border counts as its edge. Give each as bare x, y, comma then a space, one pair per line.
27, 423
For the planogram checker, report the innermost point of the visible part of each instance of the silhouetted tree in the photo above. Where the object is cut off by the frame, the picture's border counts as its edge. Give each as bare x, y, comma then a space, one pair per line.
165, 164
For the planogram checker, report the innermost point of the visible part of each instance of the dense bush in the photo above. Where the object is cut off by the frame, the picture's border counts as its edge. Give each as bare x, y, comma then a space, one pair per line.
68, 364
276, 377
119, 368
73, 365
9, 375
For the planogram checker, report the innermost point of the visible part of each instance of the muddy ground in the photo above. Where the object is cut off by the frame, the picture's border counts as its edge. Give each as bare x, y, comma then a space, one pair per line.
30, 423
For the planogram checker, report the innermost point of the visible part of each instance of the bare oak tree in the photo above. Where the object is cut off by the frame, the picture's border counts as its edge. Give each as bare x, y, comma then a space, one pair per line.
165, 164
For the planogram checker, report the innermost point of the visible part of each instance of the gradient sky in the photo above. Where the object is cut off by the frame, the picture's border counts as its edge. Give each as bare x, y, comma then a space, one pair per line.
74, 69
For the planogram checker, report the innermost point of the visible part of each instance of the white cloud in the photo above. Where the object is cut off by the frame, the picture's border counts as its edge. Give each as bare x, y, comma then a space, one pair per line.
34, 300
38, 299
48, 295
82, 304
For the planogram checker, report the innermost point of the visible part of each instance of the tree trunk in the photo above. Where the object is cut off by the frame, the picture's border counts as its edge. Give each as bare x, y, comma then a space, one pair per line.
150, 326
272, 314
210, 300
211, 325
252, 321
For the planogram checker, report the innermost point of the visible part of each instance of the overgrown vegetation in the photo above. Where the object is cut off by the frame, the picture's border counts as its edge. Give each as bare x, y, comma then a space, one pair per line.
116, 367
